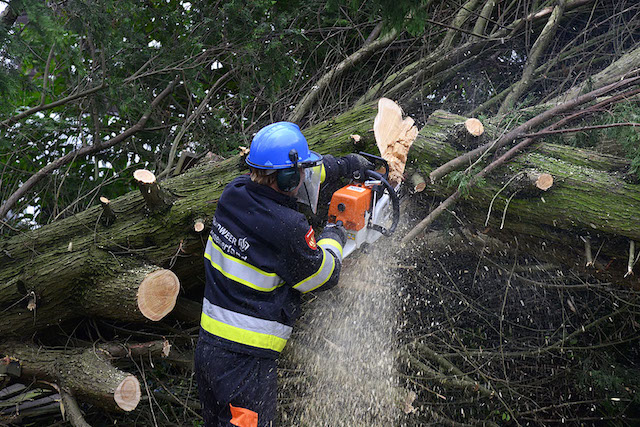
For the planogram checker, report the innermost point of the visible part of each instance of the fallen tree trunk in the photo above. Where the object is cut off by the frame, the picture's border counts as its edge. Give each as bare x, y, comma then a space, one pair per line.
61, 270
79, 266
86, 374
591, 193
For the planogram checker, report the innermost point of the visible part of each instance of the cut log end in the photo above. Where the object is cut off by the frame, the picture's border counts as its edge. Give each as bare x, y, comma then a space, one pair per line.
127, 394
544, 181
474, 127
157, 294
144, 176
198, 226
417, 183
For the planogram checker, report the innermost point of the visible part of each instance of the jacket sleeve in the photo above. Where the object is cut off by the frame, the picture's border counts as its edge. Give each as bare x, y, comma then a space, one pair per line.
310, 265
335, 168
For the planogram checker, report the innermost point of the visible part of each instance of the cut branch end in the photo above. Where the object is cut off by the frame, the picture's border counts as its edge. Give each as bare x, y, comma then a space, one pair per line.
157, 294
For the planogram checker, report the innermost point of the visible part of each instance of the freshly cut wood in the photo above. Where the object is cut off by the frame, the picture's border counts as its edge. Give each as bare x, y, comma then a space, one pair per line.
153, 195
394, 136
418, 183
127, 394
108, 216
157, 294
530, 183
544, 181
136, 293
467, 134
87, 374
474, 127
198, 225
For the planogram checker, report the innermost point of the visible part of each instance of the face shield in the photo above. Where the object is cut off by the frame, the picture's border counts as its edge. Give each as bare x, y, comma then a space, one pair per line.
310, 187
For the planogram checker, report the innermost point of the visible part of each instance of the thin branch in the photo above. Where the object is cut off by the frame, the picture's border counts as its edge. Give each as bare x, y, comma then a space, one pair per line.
185, 126
72, 410
572, 130
51, 105
45, 76
351, 61
541, 43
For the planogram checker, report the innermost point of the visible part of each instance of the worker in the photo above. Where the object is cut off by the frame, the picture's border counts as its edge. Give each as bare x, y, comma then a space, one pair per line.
261, 255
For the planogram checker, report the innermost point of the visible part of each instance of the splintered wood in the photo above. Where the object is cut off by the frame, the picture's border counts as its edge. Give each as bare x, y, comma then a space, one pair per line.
394, 136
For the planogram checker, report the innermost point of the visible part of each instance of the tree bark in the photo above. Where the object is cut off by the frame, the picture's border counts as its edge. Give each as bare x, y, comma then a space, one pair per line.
87, 374
68, 284
592, 193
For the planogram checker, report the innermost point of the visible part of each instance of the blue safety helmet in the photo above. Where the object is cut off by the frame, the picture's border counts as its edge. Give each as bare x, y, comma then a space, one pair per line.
281, 145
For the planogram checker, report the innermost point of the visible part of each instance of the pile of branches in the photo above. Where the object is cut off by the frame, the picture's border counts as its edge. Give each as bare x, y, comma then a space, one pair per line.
496, 336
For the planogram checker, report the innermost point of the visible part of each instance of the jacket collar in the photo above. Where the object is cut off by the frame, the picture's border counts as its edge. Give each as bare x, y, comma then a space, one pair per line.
270, 193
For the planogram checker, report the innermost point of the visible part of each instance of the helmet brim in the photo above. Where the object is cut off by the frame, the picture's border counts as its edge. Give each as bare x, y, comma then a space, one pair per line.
314, 159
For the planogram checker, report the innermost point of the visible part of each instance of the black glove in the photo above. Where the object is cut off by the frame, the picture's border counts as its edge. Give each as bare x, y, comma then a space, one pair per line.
336, 232
357, 163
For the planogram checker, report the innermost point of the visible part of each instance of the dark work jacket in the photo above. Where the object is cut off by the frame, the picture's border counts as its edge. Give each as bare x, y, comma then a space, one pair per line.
261, 255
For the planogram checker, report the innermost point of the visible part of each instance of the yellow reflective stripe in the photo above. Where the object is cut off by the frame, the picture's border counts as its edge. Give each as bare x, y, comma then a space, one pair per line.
323, 174
242, 336
331, 242
320, 277
272, 279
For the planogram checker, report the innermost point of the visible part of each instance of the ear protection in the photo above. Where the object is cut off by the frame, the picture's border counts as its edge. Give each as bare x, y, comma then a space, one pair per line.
288, 179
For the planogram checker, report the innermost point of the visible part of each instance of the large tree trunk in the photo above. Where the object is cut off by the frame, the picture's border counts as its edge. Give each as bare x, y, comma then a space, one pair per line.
592, 194
61, 264
79, 266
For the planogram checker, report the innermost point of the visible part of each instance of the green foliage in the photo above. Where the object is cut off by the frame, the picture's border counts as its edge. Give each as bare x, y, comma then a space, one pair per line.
629, 136
137, 48
462, 179
603, 375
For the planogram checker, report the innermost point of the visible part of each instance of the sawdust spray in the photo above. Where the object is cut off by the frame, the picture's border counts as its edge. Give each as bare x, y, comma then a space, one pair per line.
346, 349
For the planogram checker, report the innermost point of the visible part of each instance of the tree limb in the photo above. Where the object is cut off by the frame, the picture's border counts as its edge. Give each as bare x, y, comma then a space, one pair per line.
351, 61
187, 123
51, 105
520, 130
541, 43
514, 150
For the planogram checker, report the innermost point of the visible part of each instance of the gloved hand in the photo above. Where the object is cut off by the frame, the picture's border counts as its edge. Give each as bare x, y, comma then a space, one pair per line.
336, 232
357, 163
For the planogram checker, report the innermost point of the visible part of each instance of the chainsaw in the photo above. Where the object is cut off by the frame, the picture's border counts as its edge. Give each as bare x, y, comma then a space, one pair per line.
367, 207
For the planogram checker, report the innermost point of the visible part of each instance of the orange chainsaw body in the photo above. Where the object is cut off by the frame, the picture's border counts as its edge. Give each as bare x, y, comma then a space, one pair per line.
350, 205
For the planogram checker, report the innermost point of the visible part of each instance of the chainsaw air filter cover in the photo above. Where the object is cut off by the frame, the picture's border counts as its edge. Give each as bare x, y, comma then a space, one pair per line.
350, 205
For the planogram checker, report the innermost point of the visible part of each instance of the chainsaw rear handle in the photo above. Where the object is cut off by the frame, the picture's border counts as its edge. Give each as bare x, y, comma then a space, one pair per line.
395, 203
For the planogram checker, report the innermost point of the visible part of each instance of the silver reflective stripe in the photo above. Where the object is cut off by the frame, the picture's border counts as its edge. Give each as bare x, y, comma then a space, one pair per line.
243, 321
240, 271
321, 276
333, 245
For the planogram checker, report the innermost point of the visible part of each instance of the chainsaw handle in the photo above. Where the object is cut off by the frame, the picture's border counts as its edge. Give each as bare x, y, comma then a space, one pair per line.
395, 203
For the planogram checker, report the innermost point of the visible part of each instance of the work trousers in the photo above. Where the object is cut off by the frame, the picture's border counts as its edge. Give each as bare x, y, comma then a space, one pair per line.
235, 389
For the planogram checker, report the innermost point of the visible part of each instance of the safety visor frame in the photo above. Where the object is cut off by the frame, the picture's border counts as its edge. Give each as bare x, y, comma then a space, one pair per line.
309, 191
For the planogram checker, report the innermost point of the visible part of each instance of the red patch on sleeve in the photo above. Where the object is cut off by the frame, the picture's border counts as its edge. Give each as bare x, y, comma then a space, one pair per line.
310, 238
